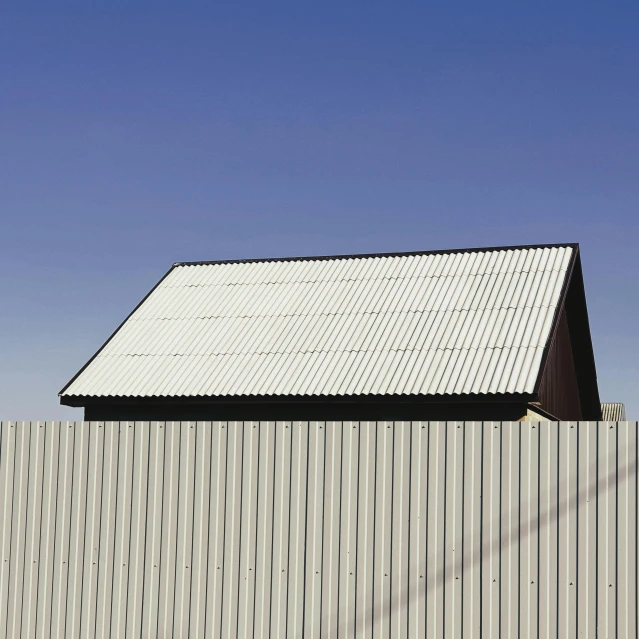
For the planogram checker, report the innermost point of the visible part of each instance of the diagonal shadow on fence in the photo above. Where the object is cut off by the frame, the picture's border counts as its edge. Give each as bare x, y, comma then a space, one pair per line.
523, 529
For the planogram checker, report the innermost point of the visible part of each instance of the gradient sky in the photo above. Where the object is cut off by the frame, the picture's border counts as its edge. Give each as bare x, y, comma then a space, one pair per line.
134, 135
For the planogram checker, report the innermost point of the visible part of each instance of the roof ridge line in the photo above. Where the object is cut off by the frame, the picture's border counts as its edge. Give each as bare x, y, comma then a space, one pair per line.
483, 249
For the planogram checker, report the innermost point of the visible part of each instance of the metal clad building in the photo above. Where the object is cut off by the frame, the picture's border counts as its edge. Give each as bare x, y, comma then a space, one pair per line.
315, 529
328, 327
471, 325
613, 411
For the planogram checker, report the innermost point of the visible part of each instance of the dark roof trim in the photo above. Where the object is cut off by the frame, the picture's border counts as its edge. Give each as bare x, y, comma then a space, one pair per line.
230, 400
486, 249
126, 319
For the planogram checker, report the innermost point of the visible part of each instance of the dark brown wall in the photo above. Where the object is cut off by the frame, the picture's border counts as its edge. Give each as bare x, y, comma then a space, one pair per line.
582, 350
559, 391
311, 411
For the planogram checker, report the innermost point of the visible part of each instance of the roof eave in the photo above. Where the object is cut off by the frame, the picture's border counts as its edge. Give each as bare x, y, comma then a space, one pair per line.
86, 400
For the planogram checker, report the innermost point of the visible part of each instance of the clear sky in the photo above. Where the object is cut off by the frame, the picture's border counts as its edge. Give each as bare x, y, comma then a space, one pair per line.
134, 135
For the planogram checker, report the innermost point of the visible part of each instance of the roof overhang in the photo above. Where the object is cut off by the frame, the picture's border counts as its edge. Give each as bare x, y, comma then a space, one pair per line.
516, 398
572, 298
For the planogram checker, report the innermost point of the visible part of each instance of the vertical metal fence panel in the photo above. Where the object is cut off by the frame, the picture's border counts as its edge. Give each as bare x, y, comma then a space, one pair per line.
92, 530
168, 539
348, 529
231, 561
548, 549
249, 515
62, 530
44, 594
106, 557
153, 530
314, 538
184, 531
628, 542
607, 529
587, 531
201, 515
214, 598
18, 529
473, 550
511, 576
491, 523
365, 530
264, 531
454, 529
138, 515
7, 447
279, 586
34, 527
401, 603
77, 534
567, 549
528, 528
122, 530
114, 598
297, 522
331, 530
382, 532
436, 493
298, 529
417, 531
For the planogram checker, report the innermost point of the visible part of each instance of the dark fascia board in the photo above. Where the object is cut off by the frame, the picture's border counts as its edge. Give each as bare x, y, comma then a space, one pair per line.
126, 319
555, 320
481, 249
230, 400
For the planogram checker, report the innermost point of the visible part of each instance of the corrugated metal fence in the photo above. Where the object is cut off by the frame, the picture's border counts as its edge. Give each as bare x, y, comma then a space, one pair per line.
316, 529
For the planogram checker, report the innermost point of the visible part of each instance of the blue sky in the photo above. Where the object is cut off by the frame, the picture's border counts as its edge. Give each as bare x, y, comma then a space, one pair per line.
136, 135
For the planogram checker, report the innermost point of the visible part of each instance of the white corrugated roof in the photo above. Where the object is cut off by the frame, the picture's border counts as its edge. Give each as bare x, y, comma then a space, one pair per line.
427, 324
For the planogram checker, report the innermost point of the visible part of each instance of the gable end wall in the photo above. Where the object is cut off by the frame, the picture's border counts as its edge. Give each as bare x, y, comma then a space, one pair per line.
559, 390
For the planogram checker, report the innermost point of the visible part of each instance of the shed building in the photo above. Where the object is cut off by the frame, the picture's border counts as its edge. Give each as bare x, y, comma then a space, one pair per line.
475, 334
613, 412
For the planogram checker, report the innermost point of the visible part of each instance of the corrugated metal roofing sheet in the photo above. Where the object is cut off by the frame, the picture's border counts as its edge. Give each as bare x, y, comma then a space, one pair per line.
613, 412
445, 323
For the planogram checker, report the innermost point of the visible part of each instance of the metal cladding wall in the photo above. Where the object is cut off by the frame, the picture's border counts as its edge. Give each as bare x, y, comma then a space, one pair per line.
373, 529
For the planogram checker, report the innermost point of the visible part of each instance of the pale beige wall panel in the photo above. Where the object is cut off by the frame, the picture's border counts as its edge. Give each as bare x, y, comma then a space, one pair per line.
371, 529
